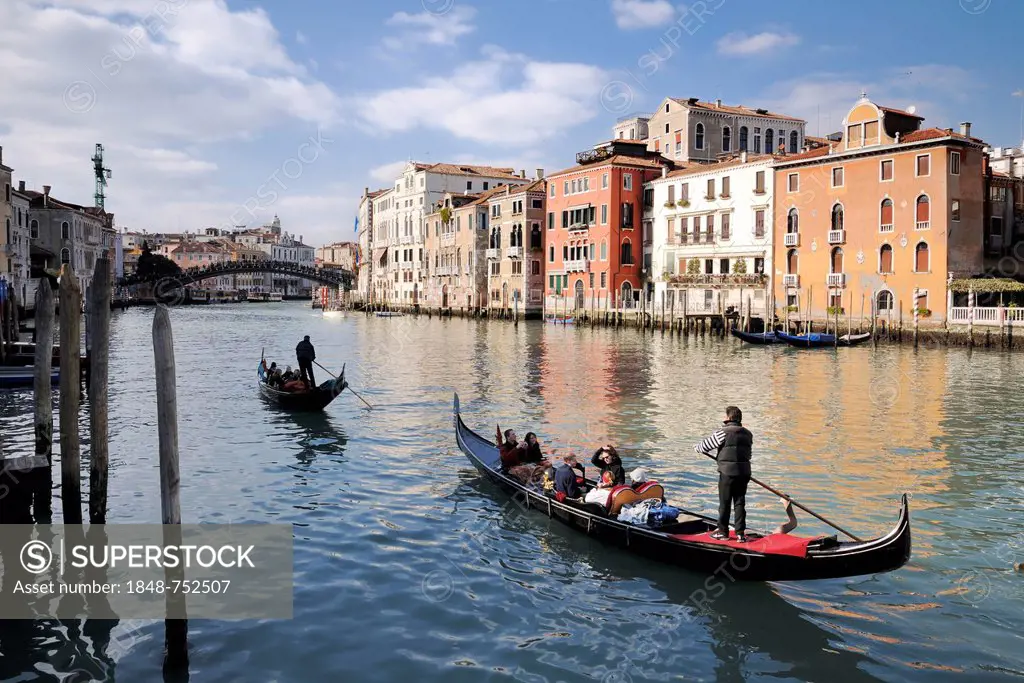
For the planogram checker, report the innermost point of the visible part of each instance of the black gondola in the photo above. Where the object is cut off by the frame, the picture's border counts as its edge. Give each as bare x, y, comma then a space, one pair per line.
816, 340
757, 337
687, 543
305, 401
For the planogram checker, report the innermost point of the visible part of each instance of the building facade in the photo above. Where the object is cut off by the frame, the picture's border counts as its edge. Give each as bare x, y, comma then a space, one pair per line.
455, 252
64, 233
712, 236
364, 239
340, 255
891, 210
593, 234
515, 249
382, 283
1004, 212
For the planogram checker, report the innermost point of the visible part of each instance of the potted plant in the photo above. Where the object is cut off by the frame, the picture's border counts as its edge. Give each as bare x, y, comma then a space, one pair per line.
446, 214
683, 203
666, 276
924, 312
792, 309
835, 310
693, 267
670, 204
741, 266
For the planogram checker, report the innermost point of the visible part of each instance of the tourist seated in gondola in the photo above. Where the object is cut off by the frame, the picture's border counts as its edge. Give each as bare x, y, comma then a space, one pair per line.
289, 375
568, 474
607, 459
294, 386
599, 494
521, 460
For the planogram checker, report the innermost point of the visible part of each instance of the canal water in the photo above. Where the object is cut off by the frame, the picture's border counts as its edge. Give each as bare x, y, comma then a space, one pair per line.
408, 567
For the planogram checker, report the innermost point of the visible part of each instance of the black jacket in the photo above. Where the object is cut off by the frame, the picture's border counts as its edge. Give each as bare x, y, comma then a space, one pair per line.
304, 351
734, 453
615, 467
565, 481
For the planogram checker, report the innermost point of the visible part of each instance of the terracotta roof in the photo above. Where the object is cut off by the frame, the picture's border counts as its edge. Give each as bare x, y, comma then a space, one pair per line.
814, 139
721, 165
728, 109
619, 159
935, 133
915, 136
487, 194
470, 170
535, 186
901, 112
810, 154
204, 247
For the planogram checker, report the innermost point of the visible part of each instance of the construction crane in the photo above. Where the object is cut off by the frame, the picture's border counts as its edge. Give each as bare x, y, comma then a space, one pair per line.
102, 174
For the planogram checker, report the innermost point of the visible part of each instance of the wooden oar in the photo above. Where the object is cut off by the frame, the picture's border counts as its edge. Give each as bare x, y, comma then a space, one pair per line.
782, 495
349, 387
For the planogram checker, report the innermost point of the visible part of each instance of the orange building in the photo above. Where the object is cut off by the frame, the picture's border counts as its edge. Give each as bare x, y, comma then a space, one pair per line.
888, 209
594, 234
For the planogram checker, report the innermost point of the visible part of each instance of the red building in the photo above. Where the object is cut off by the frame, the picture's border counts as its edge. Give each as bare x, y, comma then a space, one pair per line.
594, 235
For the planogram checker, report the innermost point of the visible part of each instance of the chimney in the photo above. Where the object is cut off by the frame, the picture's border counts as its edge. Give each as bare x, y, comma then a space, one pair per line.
718, 103
540, 173
743, 156
1, 154
522, 173
21, 186
965, 129
46, 196
664, 171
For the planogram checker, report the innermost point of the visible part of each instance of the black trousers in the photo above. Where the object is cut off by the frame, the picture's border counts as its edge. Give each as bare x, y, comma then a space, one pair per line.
306, 370
732, 491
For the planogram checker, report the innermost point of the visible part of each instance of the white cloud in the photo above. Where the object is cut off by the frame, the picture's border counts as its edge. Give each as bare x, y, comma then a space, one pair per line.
502, 99
386, 173
739, 43
301, 38
430, 28
635, 14
158, 84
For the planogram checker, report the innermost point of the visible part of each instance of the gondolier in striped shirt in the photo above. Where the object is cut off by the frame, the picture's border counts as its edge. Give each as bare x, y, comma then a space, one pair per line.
731, 447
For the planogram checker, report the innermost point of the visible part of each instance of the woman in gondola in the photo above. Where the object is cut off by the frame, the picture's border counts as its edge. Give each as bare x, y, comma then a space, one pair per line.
521, 460
607, 459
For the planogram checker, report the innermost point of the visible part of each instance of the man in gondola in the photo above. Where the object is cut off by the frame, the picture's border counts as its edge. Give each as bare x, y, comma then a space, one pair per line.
731, 447
305, 354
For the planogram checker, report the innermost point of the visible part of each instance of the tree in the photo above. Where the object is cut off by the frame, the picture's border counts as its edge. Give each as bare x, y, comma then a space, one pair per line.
155, 266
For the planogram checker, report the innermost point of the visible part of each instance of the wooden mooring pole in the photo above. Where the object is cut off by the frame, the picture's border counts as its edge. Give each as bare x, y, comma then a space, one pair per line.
70, 396
175, 630
42, 498
101, 291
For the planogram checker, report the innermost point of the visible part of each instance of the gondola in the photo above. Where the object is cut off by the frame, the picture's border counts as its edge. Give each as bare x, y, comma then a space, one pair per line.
757, 337
304, 401
687, 542
816, 340
564, 320
20, 376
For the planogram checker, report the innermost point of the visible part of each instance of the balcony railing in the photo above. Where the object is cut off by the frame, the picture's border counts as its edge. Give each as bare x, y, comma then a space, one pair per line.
836, 236
791, 280
514, 252
577, 266
405, 239
575, 227
885, 227
837, 279
923, 225
740, 279
791, 239
447, 238
493, 254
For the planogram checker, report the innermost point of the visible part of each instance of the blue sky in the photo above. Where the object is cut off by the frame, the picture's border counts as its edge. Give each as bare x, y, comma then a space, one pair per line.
221, 113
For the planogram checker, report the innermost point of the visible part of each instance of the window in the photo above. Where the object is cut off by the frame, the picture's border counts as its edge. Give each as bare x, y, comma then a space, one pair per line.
743, 138
921, 261
535, 237
604, 254
837, 217
922, 213
885, 259
769, 139
711, 189
723, 266
836, 262
885, 219
565, 252
485, 187
565, 219
757, 139
535, 268
954, 163
65, 232
793, 184
593, 253
65, 254
726, 139
793, 221
627, 216
565, 189
684, 192
604, 214
551, 189
666, 129
871, 133
725, 226
604, 181
604, 279
627, 181
666, 107
759, 265
573, 187
536, 204
792, 262
794, 142
34, 227
709, 266
698, 136
671, 194
955, 210
837, 176
725, 186
551, 220
627, 253
7, 195
759, 183
884, 301
657, 144
551, 254
923, 166
886, 169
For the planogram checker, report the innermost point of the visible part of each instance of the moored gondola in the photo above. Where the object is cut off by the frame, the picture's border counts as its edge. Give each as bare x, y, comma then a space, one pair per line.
305, 401
757, 337
816, 340
687, 542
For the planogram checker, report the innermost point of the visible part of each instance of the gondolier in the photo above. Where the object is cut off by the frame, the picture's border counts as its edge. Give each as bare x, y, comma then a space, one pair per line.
305, 354
730, 446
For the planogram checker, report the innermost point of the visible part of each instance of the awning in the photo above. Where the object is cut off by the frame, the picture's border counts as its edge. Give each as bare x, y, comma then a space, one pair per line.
377, 253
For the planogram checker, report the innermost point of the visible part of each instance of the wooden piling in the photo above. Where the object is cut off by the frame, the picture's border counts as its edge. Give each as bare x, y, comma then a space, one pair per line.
101, 291
42, 498
860, 328
70, 396
849, 317
874, 316
175, 630
916, 315
899, 337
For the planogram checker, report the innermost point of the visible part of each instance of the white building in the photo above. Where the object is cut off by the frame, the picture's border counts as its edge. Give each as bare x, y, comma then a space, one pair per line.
365, 241
381, 280
712, 235
280, 246
400, 270
19, 245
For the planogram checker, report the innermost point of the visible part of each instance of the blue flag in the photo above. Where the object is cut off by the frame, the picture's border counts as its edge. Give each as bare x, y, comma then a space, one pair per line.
357, 224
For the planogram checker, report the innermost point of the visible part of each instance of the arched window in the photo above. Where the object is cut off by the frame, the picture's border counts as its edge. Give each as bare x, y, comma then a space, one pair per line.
593, 251
794, 141
65, 254
726, 139
744, 134
793, 221
34, 227
921, 260
885, 259
769, 140
885, 217
837, 217
792, 262
884, 301
627, 253
627, 295
698, 136
604, 250
923, 213
535, 237
65, 231
836, 262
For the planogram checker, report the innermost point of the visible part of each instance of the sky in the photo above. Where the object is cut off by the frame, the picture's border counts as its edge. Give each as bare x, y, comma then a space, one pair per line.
218, 113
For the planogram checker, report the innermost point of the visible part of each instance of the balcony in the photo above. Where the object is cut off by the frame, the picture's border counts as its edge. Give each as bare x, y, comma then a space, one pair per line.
791, 239
592, 155
836, 236
447, 239
579, 227
577, 266
885, 227
792, 280
837, 279
406, 265
493, 254
739, 279
922, 225
514, 252
405, 239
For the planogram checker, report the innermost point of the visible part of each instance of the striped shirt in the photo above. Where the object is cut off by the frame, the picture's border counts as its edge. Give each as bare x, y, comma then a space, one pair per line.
710, 445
